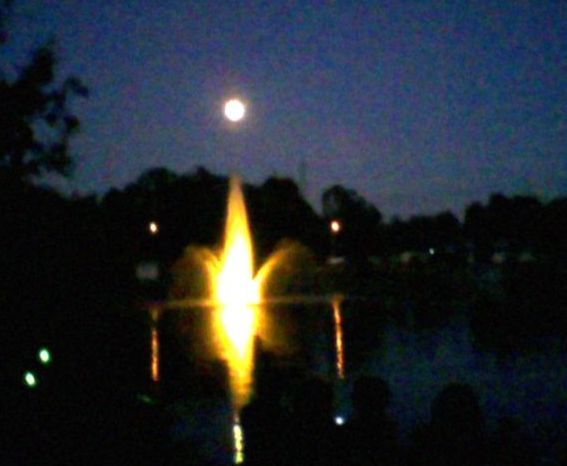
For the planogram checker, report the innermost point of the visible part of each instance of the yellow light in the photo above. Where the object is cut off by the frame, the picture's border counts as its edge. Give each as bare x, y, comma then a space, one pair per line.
238, 443
155, 355
153, 227
234, 110
335, 226
236, 291
230, 284
154, 347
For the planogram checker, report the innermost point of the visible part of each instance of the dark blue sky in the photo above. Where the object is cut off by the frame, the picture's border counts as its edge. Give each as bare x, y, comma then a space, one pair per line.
420, 106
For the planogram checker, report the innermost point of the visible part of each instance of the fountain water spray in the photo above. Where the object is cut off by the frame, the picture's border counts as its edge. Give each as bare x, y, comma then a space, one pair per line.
227, 284
237, 291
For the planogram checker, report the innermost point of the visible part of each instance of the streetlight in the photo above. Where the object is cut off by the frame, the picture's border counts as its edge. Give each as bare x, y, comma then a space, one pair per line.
153, 228
335, 227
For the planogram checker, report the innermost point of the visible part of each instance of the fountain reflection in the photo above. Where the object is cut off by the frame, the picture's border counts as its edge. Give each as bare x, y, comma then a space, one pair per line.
227, 283
235, 328
238, 438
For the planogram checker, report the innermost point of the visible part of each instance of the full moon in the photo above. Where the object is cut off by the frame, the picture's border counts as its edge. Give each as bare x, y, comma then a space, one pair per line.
234, 110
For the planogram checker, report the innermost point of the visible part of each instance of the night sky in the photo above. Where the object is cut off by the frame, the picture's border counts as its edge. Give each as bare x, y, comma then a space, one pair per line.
420, 106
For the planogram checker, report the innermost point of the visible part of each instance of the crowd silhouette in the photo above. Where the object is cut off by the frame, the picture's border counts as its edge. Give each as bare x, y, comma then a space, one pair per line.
300, 428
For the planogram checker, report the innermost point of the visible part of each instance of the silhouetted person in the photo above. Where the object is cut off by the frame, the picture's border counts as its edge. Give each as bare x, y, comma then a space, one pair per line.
312, 437
511, 446
456, 434
263, 419
371, 435
563, 457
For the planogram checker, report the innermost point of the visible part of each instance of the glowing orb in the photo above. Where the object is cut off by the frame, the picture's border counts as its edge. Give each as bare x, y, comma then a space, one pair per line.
30, 379
234, 110
153, 227
44, 356
335, 226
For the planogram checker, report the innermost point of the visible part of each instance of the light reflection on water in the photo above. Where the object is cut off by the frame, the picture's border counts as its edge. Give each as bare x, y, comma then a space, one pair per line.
339, 339
238, 437
228, 333
154, 358
406, 359
236, 327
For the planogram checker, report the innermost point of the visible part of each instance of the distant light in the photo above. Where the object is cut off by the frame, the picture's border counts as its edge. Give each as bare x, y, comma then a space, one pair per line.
147, 271
234, 110
44, 356
154, 228
145, 398
339, 420
238, 443
29, 379
431, 251
335, 226
154, 360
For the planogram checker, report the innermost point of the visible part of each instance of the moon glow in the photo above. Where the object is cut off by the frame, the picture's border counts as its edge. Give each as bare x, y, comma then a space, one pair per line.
234, 110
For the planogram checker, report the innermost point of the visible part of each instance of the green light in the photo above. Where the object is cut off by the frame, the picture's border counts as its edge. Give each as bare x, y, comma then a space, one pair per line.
145, 399
30, 379
44, 356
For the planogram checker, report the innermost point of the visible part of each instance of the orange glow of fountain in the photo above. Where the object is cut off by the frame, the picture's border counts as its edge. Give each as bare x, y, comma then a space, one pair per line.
229, 283
339, 338
237, 293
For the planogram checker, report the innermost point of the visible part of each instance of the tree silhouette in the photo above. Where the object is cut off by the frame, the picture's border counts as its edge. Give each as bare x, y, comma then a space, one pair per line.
514, 223
279, 211
5, 6
35, 120
360, 221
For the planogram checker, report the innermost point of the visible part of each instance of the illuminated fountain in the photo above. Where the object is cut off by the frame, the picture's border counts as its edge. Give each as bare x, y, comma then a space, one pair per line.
226, 284
237, 293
